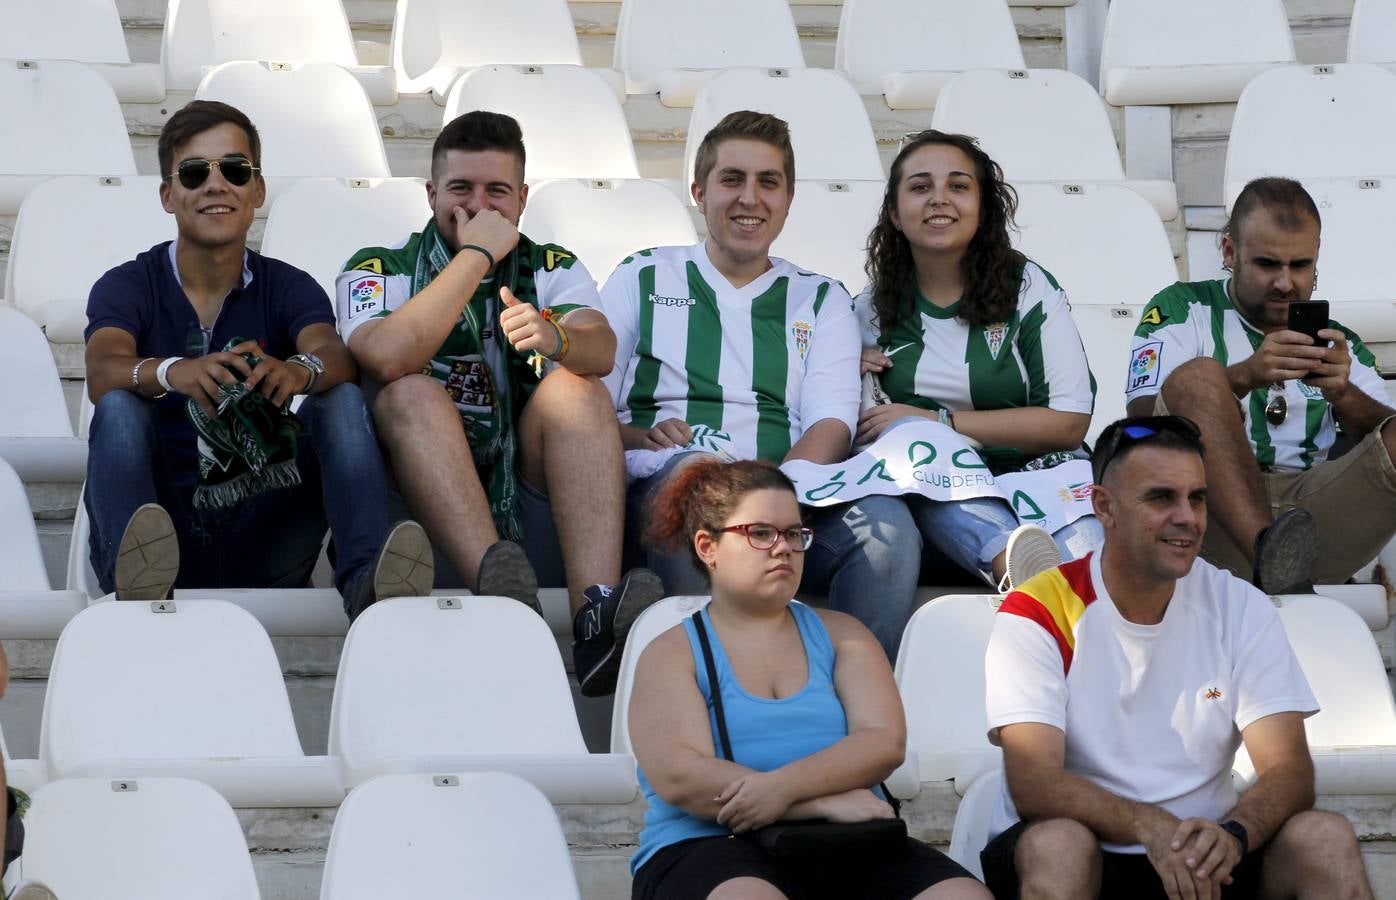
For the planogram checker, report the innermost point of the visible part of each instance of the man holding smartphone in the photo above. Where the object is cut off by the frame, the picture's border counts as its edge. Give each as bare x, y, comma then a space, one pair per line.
1270, 399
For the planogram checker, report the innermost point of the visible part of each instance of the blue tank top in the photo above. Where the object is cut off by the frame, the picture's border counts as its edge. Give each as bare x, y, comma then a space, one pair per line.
766, 734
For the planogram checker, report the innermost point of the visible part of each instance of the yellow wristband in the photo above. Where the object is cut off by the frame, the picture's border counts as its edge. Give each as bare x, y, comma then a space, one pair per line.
563, 343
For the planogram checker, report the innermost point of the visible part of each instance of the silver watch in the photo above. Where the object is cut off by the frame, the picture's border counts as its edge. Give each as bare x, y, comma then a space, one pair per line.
314, 364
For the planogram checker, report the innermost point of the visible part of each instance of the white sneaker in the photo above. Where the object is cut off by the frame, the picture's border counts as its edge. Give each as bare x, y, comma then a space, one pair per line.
1030, 550
33, 890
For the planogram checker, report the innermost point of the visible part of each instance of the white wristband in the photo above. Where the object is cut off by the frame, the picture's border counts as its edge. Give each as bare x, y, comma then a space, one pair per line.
162, 370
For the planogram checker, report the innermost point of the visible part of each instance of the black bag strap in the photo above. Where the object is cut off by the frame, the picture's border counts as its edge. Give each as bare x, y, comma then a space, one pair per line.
707, 646
712, 684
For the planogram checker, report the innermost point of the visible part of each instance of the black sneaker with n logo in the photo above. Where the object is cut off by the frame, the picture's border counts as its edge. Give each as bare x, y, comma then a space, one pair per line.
600, 627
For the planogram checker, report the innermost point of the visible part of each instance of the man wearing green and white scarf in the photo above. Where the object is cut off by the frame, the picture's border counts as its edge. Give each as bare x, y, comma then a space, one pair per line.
489, 350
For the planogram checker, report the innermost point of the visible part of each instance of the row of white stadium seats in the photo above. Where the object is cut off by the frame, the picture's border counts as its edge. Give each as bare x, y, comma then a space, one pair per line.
478, 685
465, 836
1154, 51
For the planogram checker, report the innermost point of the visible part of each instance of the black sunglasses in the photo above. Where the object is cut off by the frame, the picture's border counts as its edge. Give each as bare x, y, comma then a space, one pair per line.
236, 170
1133, 431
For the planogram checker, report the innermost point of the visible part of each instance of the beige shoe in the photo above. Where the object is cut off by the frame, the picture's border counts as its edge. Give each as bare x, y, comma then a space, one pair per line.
148, 560
1030, 550
405, 565
33, 890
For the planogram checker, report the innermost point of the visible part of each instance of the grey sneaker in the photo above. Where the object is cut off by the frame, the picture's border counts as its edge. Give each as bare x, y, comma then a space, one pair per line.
506, 572
1285, 554
600, 627
148, 559
405, 566
1030, 550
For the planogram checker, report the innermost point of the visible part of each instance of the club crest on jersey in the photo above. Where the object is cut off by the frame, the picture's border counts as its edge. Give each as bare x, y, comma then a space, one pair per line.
1144, 365
1309, 391
802, 332
994, 335
366, 295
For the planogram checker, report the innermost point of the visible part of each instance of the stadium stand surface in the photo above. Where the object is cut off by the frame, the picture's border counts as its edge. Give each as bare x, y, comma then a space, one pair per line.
36, 436
86, 31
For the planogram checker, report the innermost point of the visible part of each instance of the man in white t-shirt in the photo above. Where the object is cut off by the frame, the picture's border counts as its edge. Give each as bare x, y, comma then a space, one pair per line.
1271, 402
722, 348
1120, 687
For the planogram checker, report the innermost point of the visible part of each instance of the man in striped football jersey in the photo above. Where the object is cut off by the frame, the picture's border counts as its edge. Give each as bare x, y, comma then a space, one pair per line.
722, 348
1120, 686
489, 348
1271, 402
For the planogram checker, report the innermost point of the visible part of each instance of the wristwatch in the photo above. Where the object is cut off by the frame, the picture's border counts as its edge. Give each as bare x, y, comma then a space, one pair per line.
1238, 831
314, 364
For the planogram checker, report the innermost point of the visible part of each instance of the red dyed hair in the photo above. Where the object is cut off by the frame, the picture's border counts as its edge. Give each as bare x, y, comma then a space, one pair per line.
699, 497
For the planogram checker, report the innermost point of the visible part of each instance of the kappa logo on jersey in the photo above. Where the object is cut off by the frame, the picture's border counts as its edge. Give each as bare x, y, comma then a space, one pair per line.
1144, 365
554, 258
994, 335
1153, 317
658, 300
372, 264
802, 332
366, 295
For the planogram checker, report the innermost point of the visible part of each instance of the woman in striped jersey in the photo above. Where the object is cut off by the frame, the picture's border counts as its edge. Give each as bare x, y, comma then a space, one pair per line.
961, 328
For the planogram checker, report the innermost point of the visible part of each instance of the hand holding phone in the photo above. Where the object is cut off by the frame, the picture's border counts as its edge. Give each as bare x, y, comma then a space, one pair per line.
1309, 317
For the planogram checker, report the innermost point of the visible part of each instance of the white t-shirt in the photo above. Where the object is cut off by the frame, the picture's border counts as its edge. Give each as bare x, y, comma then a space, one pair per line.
750, 369
1153, 713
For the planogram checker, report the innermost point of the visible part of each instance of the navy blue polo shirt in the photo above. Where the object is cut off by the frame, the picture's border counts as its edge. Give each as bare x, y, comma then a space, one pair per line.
143, 297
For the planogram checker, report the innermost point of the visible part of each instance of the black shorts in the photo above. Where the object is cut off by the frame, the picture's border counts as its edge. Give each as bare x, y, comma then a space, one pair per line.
694, 868
1127, 876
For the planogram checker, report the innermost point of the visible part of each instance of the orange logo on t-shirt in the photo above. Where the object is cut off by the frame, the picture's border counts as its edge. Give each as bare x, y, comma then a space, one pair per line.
1213, 694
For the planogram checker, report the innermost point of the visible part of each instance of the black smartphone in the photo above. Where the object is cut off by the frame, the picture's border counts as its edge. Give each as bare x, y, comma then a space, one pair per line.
1307, 317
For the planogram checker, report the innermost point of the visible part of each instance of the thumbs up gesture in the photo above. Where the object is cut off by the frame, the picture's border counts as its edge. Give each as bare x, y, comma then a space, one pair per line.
525, 328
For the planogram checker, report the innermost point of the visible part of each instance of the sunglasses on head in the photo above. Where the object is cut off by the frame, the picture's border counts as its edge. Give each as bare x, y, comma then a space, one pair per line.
1134, 431
236, 170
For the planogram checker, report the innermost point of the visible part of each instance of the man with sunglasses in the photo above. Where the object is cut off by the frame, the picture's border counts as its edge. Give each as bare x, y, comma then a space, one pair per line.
488, 348
202, 329
1271, 400
1120, 687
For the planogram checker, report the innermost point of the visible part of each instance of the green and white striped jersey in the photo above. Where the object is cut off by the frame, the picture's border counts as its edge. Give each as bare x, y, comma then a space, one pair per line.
1191, 319
750, 369
1036, 358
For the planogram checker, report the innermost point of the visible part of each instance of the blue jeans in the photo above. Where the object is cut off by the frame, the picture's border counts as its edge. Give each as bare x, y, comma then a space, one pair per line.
271, 540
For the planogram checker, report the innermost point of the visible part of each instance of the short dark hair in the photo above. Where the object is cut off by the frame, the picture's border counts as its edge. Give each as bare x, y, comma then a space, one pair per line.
477, 130
746, 125
1169, 432
1284, 198
196, 117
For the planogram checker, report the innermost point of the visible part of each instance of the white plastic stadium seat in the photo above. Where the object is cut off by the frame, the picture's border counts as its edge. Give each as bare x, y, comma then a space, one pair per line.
45, 279
86, 31
940, 673
1372, 32
318, 223
573, 125
829, 126
313, 118
1353, 737
1063, 226
434, 41
204, 33
907, 49
136, 839
36, 435
1071, 138
1356, 215
1165, 52
605, 221
201, 679
29, 607
474, 836
26, 775
477, 685
972, 820
827, 230
1106, 332
30, 93
673, 46
1349, 115
653, 622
